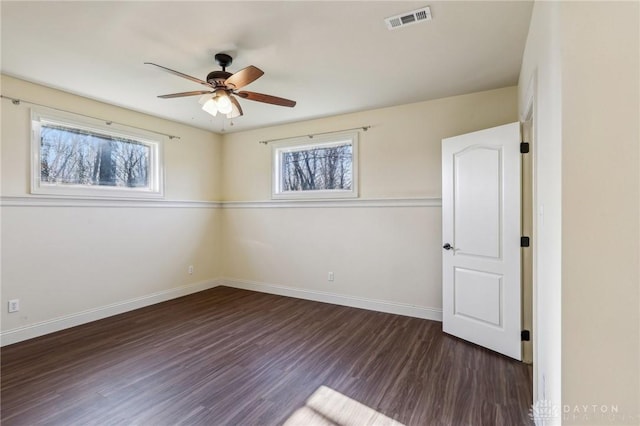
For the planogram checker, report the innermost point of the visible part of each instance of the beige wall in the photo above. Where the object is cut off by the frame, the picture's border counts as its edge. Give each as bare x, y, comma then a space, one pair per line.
192, 163
399, 155
386, 254
69, 258
600, 161
390, 252
583, 57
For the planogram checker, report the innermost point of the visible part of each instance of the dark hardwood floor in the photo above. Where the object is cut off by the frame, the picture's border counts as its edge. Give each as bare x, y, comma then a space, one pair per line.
234, 357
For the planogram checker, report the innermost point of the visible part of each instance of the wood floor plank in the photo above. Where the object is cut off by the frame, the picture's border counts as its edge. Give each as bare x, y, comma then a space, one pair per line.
234, 357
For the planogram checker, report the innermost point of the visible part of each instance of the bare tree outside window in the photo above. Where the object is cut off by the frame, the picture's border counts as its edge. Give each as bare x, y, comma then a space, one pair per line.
77, 157
317, 169
326, 167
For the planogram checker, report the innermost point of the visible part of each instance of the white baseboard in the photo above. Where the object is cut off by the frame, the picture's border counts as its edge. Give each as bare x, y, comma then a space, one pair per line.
50, 326
337, 299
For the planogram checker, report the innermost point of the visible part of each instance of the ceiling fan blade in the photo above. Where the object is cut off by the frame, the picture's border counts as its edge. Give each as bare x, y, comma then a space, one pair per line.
244, 77
237, 109
181, 94
179, 74
268, 99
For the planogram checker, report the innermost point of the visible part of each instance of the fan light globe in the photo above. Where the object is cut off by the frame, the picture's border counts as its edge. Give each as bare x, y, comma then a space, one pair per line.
210, 107
235, 112
223, 103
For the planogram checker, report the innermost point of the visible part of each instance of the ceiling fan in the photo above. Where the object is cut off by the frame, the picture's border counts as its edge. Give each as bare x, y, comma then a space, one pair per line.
224, 87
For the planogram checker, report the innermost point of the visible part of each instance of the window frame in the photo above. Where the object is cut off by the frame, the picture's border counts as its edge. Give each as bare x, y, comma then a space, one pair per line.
308, 142
155, 142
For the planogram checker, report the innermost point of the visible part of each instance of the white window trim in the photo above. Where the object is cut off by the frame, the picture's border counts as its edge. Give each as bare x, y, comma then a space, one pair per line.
153, 140
300, 143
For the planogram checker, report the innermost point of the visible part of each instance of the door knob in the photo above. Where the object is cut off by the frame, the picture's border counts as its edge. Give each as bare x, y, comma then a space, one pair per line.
447, 246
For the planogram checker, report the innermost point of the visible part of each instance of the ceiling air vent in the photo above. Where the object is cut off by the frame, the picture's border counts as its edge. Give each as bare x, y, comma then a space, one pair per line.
409, 18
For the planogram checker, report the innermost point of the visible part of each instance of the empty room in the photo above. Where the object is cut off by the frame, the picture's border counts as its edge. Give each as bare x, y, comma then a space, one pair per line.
320, 213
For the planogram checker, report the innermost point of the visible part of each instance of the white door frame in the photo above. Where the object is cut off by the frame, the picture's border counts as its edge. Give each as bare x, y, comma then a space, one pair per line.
529, 114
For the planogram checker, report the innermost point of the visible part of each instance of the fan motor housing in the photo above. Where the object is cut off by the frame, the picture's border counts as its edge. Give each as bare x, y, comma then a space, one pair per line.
218, 77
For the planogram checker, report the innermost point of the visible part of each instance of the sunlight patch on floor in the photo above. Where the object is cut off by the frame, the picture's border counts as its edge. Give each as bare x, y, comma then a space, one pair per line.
327, 407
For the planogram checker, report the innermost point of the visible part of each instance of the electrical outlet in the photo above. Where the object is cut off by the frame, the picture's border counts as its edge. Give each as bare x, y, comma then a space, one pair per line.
14, 305
330, 276
190, 270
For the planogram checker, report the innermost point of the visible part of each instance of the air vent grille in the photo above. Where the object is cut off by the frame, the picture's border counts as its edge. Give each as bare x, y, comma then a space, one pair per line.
409, 18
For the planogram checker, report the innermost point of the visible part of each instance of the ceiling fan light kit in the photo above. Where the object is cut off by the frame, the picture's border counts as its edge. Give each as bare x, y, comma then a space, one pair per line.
219, 102
223, 86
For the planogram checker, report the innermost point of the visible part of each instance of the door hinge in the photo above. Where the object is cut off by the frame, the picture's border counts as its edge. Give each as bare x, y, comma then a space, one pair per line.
524, 147
524, 241
525, 335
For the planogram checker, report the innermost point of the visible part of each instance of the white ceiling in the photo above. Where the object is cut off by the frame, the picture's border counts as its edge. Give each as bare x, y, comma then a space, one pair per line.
332, 57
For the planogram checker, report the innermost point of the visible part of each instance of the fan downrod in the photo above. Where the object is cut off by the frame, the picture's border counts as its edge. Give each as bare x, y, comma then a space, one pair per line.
217, 78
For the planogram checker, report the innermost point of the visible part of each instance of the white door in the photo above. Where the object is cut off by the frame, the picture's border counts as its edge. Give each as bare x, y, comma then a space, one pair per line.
481, 238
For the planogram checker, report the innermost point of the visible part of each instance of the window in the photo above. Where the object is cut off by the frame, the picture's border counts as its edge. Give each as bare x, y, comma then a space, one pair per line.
74, 155
322, 167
